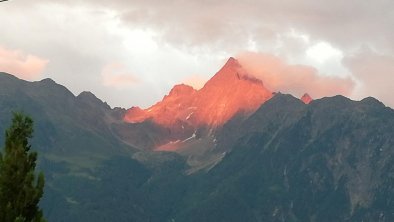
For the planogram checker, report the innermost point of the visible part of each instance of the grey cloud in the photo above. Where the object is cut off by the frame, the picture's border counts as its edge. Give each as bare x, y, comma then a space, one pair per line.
375, 73
230, 23
343, 23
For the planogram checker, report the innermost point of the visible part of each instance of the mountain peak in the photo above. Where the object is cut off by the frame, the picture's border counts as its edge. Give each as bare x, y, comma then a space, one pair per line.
86, 94
229, 92
232, 62
232, 65
89, 98
181, 89
306, 98
231, 73
48, 81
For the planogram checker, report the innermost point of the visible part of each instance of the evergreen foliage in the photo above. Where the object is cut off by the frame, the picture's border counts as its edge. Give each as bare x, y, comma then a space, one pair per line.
20, 188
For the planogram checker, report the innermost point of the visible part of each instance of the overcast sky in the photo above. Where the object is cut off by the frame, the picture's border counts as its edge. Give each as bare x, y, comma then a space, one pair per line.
132, 52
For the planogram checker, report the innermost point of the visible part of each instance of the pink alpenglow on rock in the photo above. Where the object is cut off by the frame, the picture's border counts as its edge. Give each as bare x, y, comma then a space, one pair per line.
306, 98
229, 92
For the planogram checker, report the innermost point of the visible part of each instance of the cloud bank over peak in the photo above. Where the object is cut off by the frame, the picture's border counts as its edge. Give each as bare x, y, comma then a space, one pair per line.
277, 75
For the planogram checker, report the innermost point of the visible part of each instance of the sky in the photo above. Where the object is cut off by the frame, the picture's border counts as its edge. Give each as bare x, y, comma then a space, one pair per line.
131, 53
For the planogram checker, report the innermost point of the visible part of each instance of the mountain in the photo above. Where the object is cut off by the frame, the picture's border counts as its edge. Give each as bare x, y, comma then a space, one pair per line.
173, 108
281, 160
187, 117
78, 146
229, 92
62, 118
328, 161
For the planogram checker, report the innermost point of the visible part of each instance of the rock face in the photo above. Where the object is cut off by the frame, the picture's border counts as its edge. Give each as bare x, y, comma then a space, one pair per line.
184, 111
306, 98
328, 161
231, 91
175, 106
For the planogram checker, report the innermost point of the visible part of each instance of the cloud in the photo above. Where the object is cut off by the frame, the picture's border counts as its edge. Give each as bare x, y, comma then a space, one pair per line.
116, 75
21, 64
196, 81
231, 23
375, 73
294, 79
166, 41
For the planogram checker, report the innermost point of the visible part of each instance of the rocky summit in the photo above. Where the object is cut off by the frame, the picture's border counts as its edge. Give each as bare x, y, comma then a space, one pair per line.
229, 92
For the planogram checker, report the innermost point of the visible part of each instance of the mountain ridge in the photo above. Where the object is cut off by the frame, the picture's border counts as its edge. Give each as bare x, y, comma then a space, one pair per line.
231, 91
330, 160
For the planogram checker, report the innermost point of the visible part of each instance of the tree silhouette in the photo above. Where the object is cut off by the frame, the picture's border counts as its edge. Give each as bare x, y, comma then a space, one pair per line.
20, 188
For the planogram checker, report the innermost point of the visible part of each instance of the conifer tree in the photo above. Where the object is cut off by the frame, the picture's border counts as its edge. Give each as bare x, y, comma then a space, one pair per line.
20, 188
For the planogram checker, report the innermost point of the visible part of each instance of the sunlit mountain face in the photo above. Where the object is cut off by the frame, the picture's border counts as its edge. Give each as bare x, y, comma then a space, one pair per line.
186, 113
232, 91
306, 98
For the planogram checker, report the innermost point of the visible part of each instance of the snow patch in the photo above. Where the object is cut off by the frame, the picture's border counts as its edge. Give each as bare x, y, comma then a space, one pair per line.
188, 116
192, 137
173, 142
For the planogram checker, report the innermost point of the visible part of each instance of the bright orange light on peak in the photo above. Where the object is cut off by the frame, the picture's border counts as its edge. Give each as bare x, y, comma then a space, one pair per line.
182, 90
306, 98
229, 92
